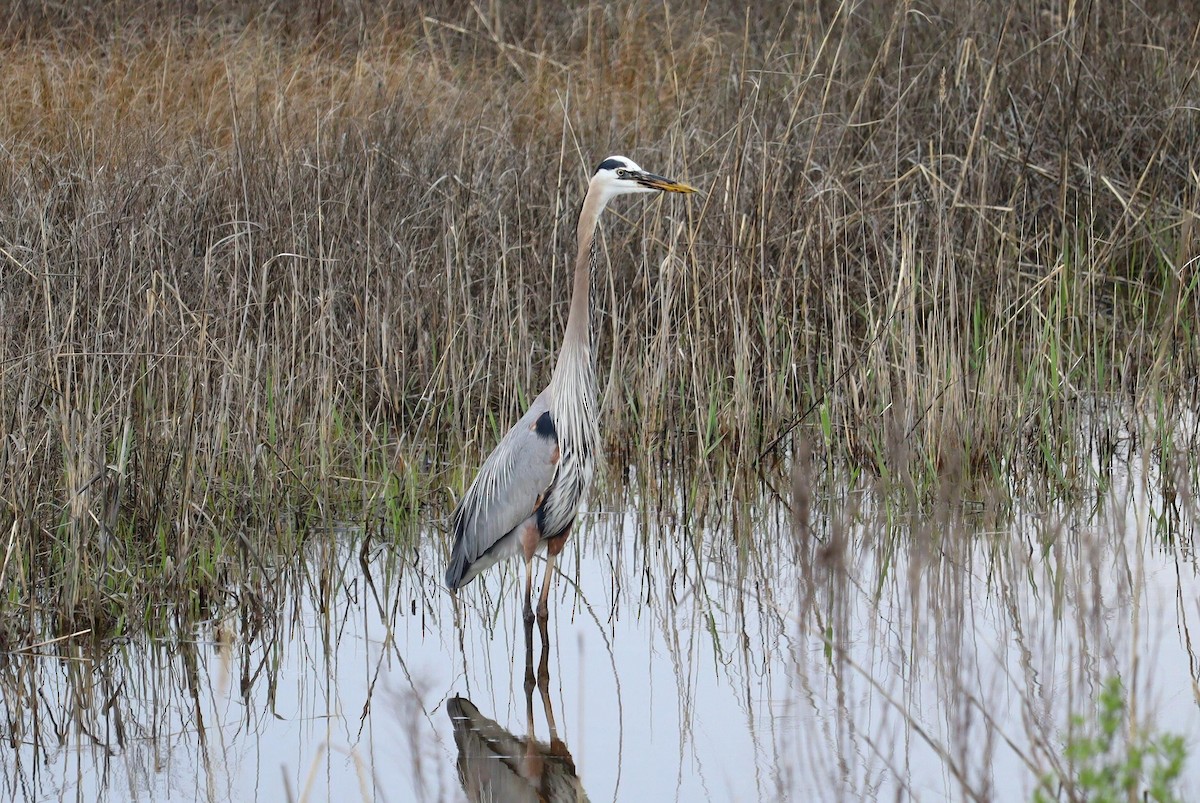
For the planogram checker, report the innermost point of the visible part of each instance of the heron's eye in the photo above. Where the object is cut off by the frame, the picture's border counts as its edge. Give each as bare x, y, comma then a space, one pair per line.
622, 172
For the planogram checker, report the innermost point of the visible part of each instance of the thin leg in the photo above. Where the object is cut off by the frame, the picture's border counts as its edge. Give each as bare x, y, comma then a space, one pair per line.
553, 547
543, 675
529, 707
529, 679
543, 608
529, 594
533, 764
543, 682
549, 715
529, 544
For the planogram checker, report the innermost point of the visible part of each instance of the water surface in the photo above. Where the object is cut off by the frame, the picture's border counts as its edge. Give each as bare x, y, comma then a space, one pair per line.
866, 653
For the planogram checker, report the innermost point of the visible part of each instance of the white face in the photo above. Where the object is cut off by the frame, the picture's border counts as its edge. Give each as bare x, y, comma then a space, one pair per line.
618, 175
615, 175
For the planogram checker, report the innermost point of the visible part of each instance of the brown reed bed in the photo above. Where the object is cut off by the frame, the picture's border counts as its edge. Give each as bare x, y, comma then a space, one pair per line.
264, 269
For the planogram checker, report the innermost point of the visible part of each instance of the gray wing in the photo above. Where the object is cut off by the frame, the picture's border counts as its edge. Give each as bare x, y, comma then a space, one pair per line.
509, 488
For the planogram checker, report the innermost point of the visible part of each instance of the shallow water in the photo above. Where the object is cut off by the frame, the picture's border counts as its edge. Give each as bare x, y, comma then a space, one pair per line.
878, 655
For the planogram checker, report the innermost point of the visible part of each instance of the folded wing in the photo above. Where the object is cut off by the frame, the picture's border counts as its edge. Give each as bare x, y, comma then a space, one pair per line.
510, 486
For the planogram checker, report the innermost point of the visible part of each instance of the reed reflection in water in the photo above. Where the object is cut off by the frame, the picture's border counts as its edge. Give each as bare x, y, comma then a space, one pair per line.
863, 652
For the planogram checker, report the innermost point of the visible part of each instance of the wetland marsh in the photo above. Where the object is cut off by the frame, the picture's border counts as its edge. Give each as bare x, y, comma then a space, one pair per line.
899, 414
881, 656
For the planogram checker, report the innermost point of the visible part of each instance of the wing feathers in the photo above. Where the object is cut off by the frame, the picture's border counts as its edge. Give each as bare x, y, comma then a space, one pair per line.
511, 484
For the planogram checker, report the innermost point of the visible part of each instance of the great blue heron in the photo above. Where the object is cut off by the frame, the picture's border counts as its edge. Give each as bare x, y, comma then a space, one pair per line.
529, 488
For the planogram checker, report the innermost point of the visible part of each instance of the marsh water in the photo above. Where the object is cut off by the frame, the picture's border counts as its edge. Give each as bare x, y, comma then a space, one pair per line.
858, 651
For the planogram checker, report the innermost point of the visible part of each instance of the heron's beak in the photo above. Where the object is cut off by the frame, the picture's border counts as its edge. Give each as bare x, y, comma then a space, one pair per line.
659, 183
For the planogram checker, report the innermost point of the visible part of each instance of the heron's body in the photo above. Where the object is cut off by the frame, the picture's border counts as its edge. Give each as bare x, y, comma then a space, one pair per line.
555, 470
529, 489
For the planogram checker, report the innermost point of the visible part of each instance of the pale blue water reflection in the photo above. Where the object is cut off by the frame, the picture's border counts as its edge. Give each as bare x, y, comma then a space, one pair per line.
875, 655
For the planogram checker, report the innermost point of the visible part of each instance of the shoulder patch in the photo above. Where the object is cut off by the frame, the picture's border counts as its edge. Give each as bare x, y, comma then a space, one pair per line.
544, 426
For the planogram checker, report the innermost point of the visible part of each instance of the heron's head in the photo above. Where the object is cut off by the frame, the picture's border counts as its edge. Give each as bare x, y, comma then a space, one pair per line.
618, 175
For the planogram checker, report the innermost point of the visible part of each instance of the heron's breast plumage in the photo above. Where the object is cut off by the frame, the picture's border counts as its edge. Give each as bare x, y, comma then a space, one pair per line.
576, 427
562, 501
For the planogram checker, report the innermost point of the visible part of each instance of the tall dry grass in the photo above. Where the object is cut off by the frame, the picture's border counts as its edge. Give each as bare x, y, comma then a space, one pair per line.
261, 267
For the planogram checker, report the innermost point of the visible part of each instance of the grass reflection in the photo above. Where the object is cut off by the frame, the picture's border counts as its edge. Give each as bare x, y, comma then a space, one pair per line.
830, 643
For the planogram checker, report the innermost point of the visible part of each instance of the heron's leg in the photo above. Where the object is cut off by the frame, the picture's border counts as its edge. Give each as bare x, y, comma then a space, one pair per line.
533, 764
543, 607
553, 547
543, 675
529, 543
529, 682
544, 660
544, 687
529, 595
529, 679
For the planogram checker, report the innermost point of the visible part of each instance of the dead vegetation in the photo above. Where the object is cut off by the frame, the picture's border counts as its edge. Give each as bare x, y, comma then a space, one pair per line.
260, 268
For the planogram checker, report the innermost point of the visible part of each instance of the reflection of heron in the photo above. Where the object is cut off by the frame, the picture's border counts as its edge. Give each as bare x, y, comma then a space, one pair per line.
495, 765
528, 490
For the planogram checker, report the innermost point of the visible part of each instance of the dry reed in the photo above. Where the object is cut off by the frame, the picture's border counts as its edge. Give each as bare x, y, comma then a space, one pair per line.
263, 268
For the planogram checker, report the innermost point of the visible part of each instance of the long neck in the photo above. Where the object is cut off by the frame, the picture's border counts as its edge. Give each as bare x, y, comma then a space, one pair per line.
578, 348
